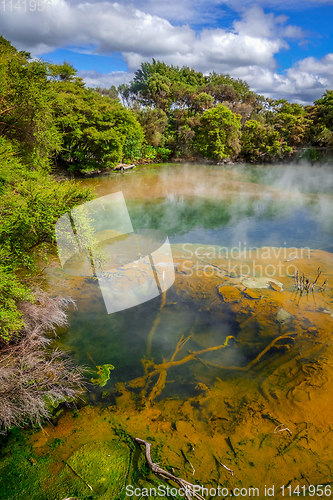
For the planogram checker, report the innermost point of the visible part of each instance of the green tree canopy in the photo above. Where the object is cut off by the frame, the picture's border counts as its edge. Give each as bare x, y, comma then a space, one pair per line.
321, 114
219, 133
260, 142
95, 129
291, 122
26, 105
160, 85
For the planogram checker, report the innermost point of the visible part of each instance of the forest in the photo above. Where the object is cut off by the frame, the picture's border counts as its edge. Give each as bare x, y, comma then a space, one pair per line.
49, 120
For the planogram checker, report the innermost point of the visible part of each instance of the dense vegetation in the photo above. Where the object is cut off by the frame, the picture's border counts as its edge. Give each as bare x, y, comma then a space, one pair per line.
34, 377
49, 119
215, 116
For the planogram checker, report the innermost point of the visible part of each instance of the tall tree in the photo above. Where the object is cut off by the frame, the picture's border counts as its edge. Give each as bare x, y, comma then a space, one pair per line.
97, 131
26, 105
219, 133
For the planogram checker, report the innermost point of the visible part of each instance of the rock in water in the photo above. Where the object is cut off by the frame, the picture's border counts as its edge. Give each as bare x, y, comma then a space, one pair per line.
283, 316
230, 293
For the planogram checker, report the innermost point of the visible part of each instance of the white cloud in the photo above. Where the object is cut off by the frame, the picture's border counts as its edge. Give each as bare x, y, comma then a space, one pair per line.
111, 27
206, 11
104, 80
246, 50
304, 82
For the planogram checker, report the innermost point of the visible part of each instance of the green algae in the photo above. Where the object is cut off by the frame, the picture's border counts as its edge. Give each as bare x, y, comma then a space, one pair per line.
97, 469
94, 471
22, 471
104, 375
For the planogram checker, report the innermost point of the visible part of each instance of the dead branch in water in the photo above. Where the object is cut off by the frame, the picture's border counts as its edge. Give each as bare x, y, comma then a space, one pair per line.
162, 368
303, 283
189, 489
255, 360
155, 325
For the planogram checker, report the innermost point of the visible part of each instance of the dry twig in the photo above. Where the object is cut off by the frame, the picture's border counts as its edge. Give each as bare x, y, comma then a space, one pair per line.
33, 377
189, 489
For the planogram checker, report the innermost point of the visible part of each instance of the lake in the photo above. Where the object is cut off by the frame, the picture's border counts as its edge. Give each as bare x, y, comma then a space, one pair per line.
228, 371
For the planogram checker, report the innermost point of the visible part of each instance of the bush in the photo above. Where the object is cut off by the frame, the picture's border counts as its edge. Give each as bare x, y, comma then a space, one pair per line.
33, 378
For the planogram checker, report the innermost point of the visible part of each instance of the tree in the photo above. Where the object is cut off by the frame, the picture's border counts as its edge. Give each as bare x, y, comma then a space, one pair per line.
153, 122
325, 109
26, 105
64, 72
97, 131
291, 123
218, 134
260, 142
321, 115
112, 92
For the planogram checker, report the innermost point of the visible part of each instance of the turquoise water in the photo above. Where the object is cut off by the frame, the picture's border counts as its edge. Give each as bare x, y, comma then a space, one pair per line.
192, 203
283, 206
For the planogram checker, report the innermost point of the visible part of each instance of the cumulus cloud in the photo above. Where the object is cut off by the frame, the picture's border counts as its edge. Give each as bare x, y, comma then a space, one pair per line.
202, 11
105, 80
107, 27
304, 82
246, 50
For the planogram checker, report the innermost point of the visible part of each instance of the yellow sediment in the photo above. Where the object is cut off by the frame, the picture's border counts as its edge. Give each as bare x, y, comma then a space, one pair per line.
231, 417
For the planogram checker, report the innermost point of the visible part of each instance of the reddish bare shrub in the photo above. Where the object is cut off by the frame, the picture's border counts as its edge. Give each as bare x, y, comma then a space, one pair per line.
34, 377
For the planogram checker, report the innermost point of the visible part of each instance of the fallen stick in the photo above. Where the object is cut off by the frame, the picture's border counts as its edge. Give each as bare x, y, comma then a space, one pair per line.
188, 488
276, 430
255, 360
227, 468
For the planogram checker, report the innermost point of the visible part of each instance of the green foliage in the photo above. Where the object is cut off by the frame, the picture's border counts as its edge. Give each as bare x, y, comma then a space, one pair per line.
64, 72
321, 115
325, 109
291, 122
325, 137
97, 131
29, 210
30, 204
158, 85
48, 113
150, 153
261, 142
218, 135
311, 155
153, 122
112, 92
12, 291
202, 101
26, 106
225, 88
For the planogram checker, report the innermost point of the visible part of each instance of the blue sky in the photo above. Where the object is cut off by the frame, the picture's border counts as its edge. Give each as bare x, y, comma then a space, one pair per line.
283, 49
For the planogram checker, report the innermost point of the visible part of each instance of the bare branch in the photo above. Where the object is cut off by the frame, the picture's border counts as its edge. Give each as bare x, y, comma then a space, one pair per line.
188, 488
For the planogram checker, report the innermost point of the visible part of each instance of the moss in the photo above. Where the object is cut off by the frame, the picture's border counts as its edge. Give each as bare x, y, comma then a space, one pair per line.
22, 472
99, 469
55, 443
